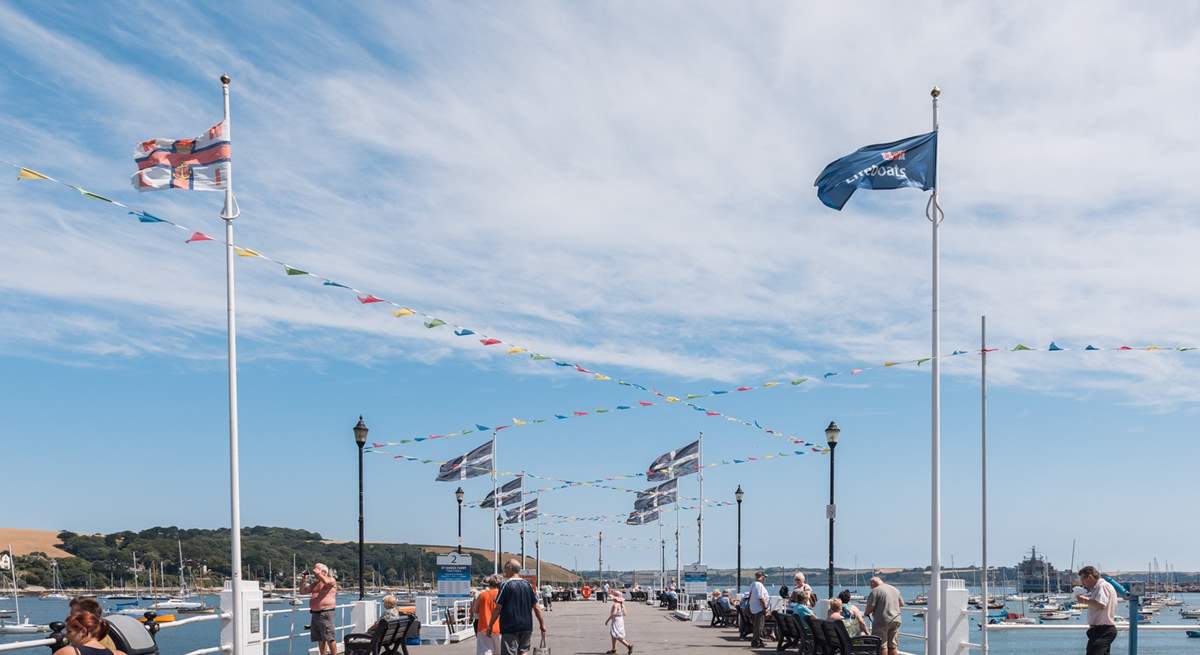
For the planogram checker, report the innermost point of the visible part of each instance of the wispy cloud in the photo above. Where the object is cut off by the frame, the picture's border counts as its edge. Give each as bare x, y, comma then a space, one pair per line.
632, 189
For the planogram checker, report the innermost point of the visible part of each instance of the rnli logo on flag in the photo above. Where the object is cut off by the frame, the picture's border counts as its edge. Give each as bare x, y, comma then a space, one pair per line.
893, 155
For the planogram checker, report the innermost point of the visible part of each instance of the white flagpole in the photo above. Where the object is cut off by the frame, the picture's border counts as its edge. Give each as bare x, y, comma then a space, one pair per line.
521, 508
495, 508
228, 213
700, 521
935, 634
537, 544
983, 640
678, 579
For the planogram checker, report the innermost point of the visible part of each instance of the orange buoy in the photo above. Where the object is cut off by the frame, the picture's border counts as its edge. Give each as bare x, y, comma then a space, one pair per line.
586, 591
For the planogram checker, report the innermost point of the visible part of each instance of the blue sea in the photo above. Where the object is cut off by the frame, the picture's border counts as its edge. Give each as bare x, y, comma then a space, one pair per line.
180, 640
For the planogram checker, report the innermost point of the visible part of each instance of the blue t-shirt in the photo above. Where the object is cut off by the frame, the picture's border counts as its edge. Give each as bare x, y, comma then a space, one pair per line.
515, 604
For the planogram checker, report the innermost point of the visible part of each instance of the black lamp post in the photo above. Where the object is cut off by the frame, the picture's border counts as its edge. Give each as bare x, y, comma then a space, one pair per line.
738, 496
499, 539
360, 438
458, 495
831, 437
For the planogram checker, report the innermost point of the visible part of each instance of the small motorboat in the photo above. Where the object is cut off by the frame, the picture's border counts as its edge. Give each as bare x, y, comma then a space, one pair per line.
180, 604
1054, 616
55, 596
1190, 612
6, 612
919, 600
1194, 634
23, 628
995, 604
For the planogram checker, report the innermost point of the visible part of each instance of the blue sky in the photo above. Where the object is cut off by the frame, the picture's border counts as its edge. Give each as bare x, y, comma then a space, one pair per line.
629, 188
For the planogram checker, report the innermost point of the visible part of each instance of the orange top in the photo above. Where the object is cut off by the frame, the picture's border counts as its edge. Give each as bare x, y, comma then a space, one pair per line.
485, 608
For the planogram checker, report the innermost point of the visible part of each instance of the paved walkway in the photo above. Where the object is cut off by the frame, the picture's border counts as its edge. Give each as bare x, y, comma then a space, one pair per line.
577, 628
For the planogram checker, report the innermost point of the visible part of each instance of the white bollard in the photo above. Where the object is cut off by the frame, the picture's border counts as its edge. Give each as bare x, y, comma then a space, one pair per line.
252, 618
955, 620
364, 614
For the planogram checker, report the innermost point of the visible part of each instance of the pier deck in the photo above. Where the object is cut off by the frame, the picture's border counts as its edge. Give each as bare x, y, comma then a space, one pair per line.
577, 628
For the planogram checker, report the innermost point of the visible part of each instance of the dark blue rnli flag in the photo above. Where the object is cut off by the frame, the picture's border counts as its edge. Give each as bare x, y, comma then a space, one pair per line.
907, 162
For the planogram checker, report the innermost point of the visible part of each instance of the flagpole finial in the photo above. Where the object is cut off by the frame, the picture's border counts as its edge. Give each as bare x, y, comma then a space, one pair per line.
225, 79
935, 92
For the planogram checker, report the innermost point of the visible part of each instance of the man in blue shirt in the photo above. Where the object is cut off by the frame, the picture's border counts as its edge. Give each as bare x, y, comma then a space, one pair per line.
515, 608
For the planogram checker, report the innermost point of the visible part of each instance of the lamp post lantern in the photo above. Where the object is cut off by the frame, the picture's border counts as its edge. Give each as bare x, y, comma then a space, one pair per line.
738, 496
360, 438
499, 539
458, 495
831, 437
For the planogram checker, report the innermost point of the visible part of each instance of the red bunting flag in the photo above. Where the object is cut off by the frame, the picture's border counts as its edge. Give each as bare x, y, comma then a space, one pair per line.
368, 299
645, 403
712, 413
744, 388
581, 413
489, 342
199, 236
581, 369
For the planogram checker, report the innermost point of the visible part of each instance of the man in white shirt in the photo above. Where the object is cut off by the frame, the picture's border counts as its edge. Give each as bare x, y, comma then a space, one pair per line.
759, 598
1101, 600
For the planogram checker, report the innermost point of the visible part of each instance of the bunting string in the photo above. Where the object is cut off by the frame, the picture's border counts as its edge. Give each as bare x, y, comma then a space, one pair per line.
430, 321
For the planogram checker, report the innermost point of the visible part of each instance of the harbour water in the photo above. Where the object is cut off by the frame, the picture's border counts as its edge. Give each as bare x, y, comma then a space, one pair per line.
186, 638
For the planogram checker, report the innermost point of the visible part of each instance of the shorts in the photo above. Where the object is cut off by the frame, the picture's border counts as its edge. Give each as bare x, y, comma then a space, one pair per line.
486, 645
888, 633
321, 626
515, 643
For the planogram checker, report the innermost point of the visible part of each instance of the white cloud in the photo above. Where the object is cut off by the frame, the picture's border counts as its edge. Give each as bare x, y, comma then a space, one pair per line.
632, 188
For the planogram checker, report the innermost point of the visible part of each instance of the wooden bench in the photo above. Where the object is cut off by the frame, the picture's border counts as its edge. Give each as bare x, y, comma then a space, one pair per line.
386, 637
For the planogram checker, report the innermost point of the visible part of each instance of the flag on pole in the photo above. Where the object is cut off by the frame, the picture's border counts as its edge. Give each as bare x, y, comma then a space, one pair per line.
509, 493
676, 463
910, 162
475, 463
199, 164
663, 494
514, 515
641, 518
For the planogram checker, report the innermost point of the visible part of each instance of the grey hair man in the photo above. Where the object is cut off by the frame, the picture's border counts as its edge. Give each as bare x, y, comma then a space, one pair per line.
323, 589
883, 606
516, 605
759, 600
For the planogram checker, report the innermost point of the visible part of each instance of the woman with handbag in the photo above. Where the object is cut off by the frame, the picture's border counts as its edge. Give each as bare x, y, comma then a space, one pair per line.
616, 616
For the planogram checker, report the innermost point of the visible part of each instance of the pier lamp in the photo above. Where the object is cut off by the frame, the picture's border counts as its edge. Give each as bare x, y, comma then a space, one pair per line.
458, 495
737, 495
499, 538
831, 437
360, 438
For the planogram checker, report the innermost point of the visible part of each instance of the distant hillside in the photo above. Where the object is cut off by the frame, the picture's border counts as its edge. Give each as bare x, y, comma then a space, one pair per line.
267, 552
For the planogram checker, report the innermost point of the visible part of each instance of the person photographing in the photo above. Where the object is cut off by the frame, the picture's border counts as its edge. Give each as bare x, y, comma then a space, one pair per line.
322, 590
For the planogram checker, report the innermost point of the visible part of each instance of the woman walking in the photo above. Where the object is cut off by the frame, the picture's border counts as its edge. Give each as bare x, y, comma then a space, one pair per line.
616, 616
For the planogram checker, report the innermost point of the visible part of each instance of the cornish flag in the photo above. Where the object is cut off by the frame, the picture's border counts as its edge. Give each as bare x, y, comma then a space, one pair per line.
641, 518
509, 493
474, 464
514, 515
663, 494
199, 164
676, 463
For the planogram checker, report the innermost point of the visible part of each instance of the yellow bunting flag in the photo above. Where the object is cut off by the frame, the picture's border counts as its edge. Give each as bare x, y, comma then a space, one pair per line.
30, 174
515, 350
602, 377
246, 252
517, 421
890, 363
768, 385
672, 399
402, 312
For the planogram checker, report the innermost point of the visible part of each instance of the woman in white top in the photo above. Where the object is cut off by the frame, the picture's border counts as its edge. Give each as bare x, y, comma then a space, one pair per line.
616, 616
